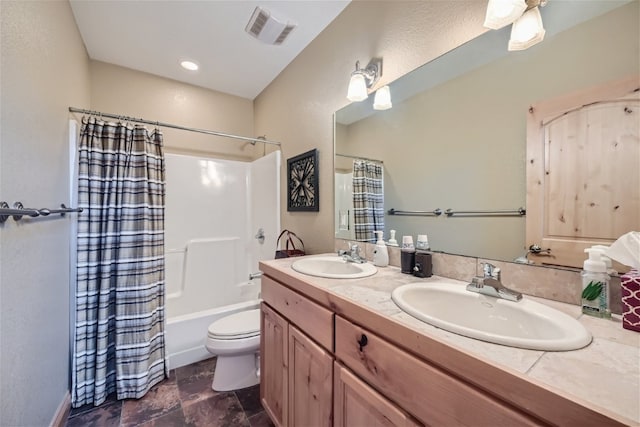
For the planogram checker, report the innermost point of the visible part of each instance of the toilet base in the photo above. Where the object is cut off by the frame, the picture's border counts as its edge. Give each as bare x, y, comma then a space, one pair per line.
236, 372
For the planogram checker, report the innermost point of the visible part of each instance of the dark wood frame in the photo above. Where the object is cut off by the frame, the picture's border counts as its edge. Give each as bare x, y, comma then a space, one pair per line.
302, 183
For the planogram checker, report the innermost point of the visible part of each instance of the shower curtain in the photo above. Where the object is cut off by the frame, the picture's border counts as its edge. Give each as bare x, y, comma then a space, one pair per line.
119, 330
368, 199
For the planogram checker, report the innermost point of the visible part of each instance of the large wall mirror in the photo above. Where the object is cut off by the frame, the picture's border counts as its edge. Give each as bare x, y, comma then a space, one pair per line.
456, 135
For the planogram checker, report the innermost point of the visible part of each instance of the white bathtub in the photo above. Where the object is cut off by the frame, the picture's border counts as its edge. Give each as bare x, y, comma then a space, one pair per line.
186, 334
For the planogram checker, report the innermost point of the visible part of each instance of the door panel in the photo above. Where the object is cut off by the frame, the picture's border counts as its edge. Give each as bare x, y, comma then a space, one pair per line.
583, 177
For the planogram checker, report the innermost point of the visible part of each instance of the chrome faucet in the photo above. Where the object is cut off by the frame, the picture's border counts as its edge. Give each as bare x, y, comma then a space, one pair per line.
256, 275
353, 255
489, 284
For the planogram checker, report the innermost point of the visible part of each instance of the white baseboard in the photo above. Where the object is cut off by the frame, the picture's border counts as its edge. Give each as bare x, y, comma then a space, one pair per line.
62, 413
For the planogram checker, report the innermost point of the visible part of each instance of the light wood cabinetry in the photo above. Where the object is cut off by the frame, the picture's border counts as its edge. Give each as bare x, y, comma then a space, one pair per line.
398, 377
310, 382
296, 372
430, 394
274, 369
358, 405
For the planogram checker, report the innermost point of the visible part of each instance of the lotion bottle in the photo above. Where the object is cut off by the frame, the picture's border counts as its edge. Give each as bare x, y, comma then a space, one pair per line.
380, 253
595, 285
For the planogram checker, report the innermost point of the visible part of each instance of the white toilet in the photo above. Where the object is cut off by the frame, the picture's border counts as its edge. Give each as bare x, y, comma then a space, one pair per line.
235, 339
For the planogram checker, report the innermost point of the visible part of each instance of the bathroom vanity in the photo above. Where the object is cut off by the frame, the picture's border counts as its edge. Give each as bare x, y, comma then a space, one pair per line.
340, 352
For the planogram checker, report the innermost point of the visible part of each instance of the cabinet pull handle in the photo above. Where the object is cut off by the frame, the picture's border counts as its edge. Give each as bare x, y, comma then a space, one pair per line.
362, 341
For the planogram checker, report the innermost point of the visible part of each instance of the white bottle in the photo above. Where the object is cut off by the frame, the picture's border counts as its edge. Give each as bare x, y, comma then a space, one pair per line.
380, 254
595, 285
392, 238
607, 261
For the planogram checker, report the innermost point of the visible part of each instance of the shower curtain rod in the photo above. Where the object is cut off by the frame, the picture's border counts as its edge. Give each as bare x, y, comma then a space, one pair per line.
359, 158
169, 125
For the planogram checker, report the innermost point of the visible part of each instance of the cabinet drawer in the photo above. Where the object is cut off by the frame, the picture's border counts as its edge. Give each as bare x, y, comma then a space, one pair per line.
315, 320
428, 393
356, 404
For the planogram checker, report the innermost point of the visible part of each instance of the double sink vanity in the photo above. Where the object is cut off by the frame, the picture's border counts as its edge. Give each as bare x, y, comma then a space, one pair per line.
362, 346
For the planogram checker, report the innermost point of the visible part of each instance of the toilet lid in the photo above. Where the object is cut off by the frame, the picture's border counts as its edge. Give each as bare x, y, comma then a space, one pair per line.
243, 324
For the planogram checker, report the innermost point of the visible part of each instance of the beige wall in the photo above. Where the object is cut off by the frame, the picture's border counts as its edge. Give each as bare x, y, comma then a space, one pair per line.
129, 92
297, 108
44, 69
461, 145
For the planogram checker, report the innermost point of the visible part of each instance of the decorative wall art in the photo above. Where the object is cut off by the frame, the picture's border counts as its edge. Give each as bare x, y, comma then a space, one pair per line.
302, 182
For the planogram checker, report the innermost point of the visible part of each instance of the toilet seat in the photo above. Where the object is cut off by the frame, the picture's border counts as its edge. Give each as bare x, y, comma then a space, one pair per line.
244, 324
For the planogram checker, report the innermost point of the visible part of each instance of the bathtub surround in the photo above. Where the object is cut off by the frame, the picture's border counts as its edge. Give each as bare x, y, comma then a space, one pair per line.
211, 246
119, 334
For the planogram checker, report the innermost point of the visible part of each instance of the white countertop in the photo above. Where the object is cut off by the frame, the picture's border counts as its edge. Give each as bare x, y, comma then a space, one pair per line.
606, 373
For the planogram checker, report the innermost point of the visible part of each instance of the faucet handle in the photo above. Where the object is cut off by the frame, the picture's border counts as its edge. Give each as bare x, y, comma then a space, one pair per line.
490, 270
355, 250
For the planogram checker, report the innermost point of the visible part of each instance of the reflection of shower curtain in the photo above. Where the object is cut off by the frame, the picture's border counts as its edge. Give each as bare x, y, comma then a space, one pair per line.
119, 331
368, 199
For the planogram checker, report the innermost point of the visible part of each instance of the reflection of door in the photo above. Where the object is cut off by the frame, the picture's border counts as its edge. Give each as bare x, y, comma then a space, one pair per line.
344, 206
583, 171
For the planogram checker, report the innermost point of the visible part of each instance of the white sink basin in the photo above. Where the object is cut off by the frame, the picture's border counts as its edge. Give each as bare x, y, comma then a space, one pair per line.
524, 324
333, 267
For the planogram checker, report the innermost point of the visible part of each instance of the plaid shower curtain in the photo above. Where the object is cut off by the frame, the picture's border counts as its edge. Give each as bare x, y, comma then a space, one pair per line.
368, 199
119, 331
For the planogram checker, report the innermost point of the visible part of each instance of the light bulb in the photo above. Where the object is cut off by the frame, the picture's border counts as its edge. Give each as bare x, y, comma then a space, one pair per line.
527, 30
189, 65
501, 13
357, 88
382, 101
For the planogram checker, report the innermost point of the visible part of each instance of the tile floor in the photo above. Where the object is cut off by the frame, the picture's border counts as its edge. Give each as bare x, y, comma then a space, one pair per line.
185, 399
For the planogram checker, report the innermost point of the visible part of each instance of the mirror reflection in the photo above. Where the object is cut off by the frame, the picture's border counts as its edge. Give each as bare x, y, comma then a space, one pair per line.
456, 135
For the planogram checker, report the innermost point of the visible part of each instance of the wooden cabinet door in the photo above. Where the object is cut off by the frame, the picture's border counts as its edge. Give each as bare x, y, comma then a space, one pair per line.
310, 382
274, 365
358, 405
583, 171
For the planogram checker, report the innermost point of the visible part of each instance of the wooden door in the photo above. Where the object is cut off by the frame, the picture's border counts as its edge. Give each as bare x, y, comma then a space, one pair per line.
310, 382
274, 365
358, 405
583, 171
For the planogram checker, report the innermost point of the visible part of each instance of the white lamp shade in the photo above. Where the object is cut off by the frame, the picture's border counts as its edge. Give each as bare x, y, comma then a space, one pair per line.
382, 101
357, 88
527, 30
501, 13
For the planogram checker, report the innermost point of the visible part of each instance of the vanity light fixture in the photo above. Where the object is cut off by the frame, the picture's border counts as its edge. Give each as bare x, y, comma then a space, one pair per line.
501, 13
362, 79
382, 101
527, 28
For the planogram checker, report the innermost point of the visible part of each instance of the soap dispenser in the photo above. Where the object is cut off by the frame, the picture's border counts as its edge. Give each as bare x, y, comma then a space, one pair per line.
380, 253
595, 285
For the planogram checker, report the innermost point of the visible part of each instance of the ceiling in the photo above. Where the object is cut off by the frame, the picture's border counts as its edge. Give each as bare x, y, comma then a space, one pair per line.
154, 36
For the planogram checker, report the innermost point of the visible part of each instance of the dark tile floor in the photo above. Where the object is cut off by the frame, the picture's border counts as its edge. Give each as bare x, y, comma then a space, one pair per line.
185, 399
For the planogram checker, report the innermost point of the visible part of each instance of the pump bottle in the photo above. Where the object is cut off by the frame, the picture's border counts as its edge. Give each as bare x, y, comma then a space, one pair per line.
380, 253
595, 285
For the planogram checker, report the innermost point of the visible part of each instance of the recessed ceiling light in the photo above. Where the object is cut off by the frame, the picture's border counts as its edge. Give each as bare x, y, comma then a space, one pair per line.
189, 65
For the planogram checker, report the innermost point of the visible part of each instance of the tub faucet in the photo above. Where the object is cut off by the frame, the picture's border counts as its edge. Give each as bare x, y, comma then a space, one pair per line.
353, 255
255, 275
490, 284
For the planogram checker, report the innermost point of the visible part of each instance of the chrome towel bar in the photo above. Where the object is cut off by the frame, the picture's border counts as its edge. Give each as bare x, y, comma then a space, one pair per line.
496, 212
18, 211
434, 212
450, 212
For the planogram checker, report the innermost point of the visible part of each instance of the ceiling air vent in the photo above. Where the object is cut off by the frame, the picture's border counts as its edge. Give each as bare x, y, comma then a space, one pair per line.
267, 28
